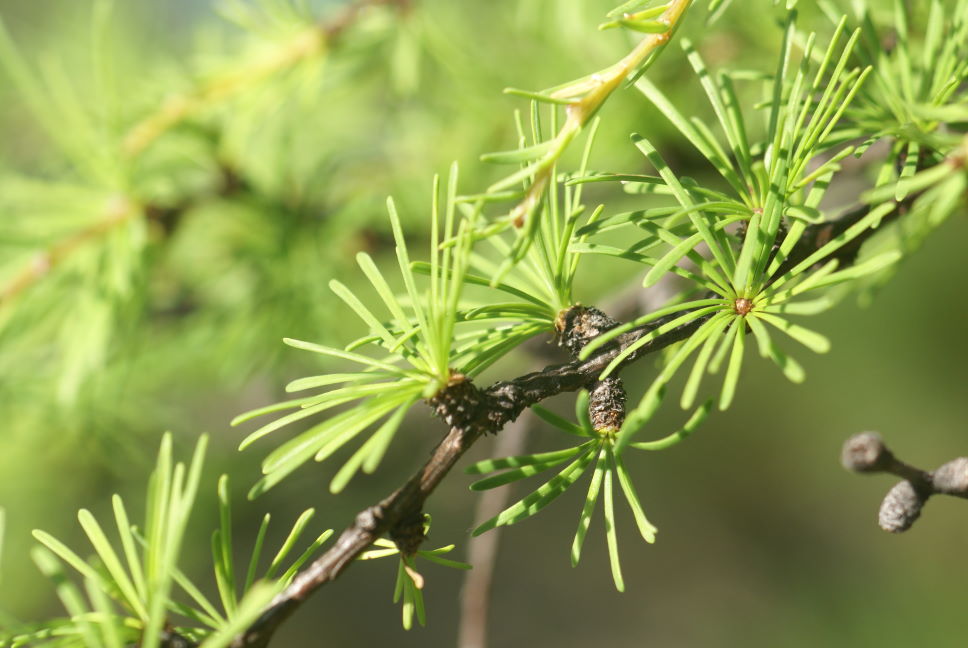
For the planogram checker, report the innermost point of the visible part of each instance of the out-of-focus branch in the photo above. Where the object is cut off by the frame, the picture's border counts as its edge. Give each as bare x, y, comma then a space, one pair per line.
118, 211
866, 453
312, 42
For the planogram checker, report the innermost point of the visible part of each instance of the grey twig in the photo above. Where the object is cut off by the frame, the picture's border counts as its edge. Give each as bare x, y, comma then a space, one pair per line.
866, 453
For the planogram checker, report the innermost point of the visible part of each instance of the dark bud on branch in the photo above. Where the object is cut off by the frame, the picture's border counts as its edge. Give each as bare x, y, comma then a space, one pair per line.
952, 478
458, 404
578, 325
866, 453
606, 404
901, 507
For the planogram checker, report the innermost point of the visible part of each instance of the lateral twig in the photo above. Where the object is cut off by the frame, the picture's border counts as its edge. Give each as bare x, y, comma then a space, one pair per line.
312, 42
119, 211
174, 111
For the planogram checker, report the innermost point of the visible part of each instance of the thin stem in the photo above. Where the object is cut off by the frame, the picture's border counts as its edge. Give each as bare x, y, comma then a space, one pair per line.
594, 92
118, 212
312, 42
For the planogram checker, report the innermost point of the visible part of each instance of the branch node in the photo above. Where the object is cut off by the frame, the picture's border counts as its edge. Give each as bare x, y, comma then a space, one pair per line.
368, 520
578, 325
409, 532
457, 404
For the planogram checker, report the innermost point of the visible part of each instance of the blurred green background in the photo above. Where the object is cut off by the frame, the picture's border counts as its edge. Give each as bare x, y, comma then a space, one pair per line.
273, 187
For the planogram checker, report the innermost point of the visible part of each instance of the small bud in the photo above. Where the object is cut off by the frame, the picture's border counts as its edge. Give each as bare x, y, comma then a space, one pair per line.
952, 478
901, 507
578, 325
865, 452
606, 404
742, 306
462, 405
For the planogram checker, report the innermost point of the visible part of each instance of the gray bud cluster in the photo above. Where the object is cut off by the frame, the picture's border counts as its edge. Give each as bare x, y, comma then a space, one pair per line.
866, 453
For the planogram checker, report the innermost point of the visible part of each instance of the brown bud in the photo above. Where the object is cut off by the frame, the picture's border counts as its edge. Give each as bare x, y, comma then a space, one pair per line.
952, 478
865, 452
458, 403
606, 404
578, 325
901, 507
742, 306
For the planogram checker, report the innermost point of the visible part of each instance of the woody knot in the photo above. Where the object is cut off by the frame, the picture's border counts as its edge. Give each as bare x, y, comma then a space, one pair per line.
459, 403
408, 533
578, 325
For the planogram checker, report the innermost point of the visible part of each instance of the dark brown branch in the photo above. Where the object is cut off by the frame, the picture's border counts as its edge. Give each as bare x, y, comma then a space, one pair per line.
819, 234
866, 453
471, 413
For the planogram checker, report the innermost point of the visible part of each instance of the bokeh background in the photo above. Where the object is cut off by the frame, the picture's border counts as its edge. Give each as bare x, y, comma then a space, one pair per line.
268, 185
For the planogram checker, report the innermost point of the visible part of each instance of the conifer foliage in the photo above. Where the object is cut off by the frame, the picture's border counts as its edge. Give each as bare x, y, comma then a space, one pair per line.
753, 249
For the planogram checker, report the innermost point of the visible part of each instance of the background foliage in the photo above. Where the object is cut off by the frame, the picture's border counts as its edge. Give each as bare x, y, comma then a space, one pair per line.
271, 188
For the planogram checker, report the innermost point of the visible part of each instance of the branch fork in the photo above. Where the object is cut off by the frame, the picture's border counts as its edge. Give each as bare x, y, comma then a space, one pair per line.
866, 453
